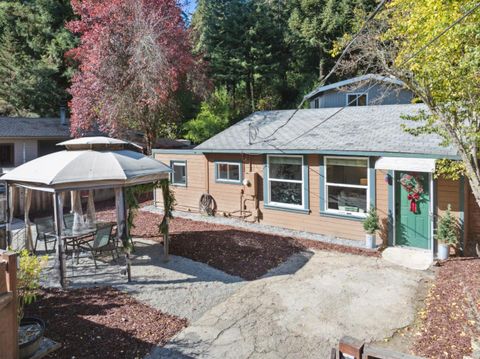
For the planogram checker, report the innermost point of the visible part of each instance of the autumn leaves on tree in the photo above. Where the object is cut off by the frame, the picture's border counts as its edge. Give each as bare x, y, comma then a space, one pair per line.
133, 57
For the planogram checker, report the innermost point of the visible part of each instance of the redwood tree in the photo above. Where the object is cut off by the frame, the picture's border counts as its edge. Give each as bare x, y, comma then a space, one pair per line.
133, 57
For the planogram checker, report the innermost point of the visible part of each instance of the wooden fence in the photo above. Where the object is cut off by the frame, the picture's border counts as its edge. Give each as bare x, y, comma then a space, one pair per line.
351, 348
8, 306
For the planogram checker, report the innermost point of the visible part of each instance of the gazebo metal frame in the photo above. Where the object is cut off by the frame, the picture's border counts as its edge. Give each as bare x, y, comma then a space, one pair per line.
57, 190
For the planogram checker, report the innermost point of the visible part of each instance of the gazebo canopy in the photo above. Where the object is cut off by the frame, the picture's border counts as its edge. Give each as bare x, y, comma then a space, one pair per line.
88, 163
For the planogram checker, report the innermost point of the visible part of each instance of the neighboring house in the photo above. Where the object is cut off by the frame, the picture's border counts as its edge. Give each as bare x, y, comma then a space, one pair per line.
23, 139
321, 174
361, 91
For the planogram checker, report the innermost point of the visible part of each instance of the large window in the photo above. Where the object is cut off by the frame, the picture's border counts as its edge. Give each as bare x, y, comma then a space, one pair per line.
179, 175
357, 99
346, 185
230, 172
285, 181
6, 154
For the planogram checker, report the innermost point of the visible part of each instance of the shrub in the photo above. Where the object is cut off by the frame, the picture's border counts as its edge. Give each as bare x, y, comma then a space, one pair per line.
447, 228
371, 224
28, 279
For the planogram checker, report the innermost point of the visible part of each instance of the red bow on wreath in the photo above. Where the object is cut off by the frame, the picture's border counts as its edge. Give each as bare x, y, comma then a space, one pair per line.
413, 198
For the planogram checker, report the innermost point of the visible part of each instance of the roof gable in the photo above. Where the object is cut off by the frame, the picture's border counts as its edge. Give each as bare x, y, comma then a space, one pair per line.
368, 77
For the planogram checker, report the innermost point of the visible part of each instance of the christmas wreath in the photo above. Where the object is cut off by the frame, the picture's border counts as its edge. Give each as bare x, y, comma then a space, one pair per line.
414, 187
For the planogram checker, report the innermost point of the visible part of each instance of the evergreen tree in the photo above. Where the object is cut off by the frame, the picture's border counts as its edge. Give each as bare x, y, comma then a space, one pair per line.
34, 74
320, 23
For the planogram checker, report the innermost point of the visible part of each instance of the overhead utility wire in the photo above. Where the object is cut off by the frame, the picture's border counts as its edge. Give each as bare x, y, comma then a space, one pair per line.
335, 66
428, 44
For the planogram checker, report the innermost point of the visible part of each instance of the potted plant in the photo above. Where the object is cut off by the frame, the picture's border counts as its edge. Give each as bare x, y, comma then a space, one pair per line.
446, 233
30, 330
371, 224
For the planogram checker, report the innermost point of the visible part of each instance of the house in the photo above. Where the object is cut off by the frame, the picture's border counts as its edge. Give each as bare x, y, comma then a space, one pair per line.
23, 139
363, 90
322, 169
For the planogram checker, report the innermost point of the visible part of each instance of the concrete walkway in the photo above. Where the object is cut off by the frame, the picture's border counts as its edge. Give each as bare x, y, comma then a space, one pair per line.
303, 314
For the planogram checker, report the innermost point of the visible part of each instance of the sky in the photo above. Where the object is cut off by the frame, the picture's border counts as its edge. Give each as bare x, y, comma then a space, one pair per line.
189, 6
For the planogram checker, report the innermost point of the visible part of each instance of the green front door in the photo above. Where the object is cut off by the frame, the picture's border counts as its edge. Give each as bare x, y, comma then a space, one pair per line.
412, 220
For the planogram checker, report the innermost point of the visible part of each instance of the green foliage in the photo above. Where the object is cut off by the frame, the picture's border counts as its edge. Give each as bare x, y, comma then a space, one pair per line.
213, 118
371, 224
28, 279
320, 23
168, 204
449, 169
131, 197
269, 53
34, 74
447, 228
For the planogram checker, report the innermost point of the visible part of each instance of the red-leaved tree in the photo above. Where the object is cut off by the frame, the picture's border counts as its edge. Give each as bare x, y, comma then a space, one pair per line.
133, 57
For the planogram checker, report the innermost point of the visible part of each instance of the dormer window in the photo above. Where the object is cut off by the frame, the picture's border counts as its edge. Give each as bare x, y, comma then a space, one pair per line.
357, 99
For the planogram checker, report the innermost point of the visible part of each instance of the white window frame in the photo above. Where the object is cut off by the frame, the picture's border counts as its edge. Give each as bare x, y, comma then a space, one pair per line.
325, 189
174, 163
226, 180
357, 94
269, 190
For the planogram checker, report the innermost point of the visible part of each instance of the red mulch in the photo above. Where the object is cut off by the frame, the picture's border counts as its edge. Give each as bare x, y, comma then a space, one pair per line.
102, 323
239, 252
451, 317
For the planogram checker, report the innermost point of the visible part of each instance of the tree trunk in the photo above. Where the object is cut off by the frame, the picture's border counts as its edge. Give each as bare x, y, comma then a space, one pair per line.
473, 177
149, 142
320, 63
252, 91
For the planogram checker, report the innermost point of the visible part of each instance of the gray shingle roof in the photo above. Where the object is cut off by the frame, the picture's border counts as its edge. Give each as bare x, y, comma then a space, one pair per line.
369, 129
14, 127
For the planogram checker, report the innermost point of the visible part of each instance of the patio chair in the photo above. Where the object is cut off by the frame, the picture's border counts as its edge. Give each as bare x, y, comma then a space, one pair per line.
45, 232
102, 241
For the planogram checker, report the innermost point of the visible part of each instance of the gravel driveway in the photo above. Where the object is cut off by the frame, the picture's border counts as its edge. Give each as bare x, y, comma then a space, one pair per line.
303, 314
181, 287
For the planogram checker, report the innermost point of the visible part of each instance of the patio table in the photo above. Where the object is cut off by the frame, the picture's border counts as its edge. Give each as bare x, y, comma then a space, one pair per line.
74, 238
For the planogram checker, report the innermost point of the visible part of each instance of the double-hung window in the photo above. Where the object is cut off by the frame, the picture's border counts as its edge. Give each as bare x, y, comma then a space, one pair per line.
346, 185
179, 175
229, 172
285, 181
357, 99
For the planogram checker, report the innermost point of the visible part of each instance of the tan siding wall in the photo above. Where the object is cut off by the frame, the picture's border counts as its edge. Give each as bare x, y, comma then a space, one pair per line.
187, 197
381, 196
448, 192
472, 218
227, 196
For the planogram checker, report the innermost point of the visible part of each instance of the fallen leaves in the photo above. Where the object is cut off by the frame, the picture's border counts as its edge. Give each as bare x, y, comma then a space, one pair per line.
450, 317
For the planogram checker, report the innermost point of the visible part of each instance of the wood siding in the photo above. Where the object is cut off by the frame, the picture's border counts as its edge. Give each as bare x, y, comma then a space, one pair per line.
228, 196
8, 306
472, 219
187, 197
381, 197
448, 192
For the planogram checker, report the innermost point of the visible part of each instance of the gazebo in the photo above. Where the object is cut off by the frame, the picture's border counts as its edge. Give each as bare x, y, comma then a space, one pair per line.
87, 163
